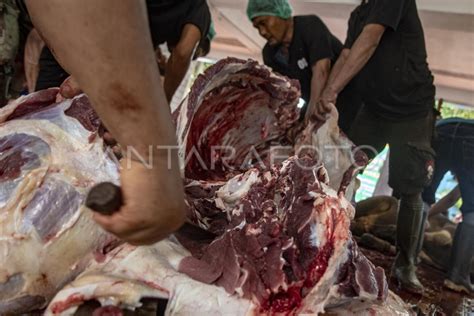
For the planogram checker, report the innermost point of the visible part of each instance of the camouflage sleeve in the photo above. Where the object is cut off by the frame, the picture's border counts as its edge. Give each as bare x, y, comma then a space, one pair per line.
9, 42
9, 30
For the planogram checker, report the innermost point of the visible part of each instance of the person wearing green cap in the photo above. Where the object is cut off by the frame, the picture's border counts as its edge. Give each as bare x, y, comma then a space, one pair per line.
302, 48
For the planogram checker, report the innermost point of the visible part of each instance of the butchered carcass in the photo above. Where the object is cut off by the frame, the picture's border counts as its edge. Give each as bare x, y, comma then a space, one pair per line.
286, 245
282, 245
234, 112
50, 156
237, 116
288, 258
130, 274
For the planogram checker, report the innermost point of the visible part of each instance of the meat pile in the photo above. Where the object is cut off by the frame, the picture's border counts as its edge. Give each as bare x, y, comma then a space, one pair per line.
232, 115
281, 221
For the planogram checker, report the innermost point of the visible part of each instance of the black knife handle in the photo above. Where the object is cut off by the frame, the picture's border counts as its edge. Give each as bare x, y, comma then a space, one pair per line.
105, 198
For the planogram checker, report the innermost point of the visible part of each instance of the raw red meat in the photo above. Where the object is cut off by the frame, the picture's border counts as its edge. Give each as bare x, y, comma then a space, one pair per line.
284, 242
284, 239
235, 110
283, 245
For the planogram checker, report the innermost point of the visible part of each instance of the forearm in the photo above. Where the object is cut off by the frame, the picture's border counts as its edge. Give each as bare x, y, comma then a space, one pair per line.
176, 69
121, 82
336, 69
360, 53
319, 79
446, 202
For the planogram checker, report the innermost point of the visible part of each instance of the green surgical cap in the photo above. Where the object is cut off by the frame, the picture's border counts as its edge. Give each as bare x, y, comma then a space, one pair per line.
279, 8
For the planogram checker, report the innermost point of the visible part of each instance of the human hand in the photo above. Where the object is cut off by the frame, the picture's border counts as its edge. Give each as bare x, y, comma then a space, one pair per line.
152, 209
293, 133
312, 113
327, 102
69, 88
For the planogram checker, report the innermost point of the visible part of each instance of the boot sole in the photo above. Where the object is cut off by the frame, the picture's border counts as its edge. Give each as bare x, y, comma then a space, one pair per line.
407, 287
456, 288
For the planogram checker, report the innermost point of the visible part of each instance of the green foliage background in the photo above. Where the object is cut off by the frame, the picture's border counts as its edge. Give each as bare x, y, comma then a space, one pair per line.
451, 110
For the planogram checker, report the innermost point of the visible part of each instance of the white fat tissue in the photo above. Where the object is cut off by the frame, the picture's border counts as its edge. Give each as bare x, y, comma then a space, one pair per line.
283, 244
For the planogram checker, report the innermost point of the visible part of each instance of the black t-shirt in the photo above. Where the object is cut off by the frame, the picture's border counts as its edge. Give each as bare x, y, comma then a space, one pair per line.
167, 19
312, 41
396, 83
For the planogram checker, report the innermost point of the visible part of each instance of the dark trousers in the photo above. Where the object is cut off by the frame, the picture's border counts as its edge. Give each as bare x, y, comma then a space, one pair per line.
454, 146
411, 156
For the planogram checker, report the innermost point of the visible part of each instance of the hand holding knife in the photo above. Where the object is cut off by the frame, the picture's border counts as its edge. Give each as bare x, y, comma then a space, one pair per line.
106, 198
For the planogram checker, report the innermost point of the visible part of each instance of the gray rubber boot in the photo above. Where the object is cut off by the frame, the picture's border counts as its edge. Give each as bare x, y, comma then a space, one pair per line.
421, 237
459, 278
409, 225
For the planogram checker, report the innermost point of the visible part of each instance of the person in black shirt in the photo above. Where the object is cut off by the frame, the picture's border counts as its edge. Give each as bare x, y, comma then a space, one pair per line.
301, 48
182, 24
202, 50
385, 51
454, 147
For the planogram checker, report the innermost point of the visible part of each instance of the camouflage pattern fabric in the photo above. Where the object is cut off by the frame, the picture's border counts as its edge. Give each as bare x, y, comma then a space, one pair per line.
9, 30
9, 42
